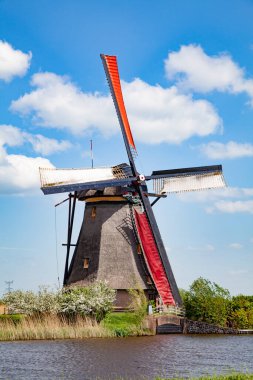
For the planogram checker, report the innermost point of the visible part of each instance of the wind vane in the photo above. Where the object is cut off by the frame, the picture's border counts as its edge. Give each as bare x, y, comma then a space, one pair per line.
119, 240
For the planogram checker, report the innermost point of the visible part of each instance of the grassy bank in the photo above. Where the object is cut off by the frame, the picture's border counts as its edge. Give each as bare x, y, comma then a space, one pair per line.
125, 324
58, 327
51, 327
233, 376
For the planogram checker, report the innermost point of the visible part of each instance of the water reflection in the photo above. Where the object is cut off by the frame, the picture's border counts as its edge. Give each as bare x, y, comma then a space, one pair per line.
126, 358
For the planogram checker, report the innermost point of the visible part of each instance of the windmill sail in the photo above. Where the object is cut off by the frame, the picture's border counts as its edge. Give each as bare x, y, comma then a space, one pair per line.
112, 74
188, 179
152, 258
64, 180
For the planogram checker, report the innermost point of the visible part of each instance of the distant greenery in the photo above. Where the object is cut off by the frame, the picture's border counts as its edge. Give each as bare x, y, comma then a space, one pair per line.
208, 302
241, 315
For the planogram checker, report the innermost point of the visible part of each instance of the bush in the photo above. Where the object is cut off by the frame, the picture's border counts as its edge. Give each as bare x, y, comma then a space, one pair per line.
241, 315
95, 301
139, 303
28, 302
207, 302
15, 318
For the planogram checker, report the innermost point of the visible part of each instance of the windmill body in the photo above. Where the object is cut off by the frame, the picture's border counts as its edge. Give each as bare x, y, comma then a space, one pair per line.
107, 248
119, 241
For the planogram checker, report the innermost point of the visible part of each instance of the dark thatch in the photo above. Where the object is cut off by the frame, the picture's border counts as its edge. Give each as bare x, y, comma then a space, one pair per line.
107, 248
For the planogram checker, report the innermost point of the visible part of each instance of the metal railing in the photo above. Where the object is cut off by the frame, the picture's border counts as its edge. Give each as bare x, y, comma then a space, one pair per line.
171, 310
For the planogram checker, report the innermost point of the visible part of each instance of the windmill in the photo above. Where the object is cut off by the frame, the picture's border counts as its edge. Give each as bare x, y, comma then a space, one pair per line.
119, 240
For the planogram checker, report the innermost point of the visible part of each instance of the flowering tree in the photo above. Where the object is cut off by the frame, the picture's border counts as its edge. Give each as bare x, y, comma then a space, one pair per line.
28, 302
95, 300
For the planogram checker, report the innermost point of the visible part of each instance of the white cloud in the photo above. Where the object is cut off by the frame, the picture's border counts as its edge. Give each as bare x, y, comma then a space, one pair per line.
58, 103
12, 62
232, 149
238, 272
18, 173
13, 136
165, 115
204, 248
233, 207
236, 246
216, 194
10, 135
157, 114
195, 70
46, 146
227, 200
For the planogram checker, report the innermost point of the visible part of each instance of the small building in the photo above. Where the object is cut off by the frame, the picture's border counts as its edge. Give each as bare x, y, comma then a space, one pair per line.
3, 309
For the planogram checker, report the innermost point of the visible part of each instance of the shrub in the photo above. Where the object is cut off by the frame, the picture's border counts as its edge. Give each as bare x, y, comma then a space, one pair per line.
28, 302
139, 303
15, 318
95, 301
207, 302
242, 312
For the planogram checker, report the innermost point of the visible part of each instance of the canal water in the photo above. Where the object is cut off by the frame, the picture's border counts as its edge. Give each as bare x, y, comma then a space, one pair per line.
126, 358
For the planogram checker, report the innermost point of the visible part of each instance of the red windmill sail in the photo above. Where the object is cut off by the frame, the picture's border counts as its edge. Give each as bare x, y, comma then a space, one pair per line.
153, 258
111, 68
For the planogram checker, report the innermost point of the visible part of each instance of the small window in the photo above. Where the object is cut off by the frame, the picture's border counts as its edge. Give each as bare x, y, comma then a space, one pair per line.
149, 281
86, 263
139, 251
93, 212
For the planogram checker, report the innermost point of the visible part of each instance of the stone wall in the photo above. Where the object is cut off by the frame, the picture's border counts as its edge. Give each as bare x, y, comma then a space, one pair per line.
153, 322
197, 327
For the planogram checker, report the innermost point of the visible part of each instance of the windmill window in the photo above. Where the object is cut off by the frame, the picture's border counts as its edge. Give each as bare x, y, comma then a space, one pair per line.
93, 212
86, 263
139, 249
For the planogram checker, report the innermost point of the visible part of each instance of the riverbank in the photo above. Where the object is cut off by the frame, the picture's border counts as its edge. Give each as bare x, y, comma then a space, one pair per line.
120, 324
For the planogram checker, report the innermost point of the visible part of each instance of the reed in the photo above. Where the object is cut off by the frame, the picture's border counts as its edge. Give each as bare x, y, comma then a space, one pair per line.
52, 327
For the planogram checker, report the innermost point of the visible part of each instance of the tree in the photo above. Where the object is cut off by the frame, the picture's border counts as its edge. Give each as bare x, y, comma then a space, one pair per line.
95, 301
241, 315
208, 302
28, 302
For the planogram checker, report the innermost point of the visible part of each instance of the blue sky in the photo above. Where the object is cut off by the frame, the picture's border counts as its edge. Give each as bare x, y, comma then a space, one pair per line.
187, 76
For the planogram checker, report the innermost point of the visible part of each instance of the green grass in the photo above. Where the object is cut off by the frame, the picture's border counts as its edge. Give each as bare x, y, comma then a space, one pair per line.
125, 324
15, 318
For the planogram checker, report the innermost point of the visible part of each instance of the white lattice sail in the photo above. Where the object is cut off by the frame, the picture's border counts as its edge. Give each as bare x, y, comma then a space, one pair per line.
56, 177
178, 184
